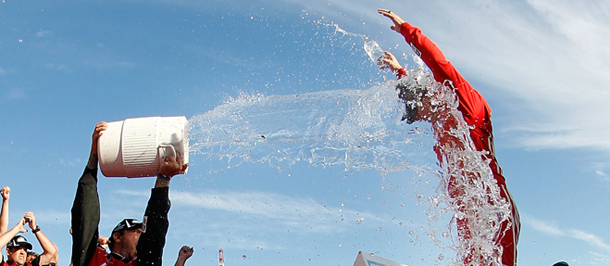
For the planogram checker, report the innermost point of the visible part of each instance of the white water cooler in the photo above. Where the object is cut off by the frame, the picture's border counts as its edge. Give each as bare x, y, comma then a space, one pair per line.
135, 147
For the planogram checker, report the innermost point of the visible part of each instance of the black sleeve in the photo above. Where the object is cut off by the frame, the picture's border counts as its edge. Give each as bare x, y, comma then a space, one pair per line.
154, 228
85, 218
36, 261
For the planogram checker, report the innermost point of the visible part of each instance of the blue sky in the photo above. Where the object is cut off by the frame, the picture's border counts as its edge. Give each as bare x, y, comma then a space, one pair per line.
541, 65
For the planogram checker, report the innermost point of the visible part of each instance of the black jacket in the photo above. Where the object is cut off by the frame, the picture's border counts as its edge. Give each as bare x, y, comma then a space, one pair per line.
86, 218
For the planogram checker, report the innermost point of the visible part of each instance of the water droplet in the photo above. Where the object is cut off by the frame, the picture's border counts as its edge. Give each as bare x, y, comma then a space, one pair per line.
243, 257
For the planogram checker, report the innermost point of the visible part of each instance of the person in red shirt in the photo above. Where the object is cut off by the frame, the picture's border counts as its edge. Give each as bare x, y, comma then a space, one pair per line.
476, 113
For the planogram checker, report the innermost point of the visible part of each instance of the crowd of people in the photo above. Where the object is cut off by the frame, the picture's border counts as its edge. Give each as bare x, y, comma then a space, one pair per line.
18, 249
140, 243
132, 242
17, 246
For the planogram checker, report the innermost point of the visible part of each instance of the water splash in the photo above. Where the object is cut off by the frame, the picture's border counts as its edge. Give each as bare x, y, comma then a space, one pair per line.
362, 129
371, 47
357, 129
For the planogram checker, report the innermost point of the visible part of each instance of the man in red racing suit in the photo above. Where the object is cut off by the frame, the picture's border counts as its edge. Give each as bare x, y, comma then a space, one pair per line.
476, 113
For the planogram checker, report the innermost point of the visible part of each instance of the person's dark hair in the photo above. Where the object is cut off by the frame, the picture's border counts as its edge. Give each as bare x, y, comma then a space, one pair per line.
411, 94
111, 239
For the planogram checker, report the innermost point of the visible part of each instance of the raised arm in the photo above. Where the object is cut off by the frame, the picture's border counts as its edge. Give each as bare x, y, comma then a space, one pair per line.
86, 207
471, 102
5, 192
8, 235
423, 47
152, 239
390, 61
183, 254
170, 167
48, 247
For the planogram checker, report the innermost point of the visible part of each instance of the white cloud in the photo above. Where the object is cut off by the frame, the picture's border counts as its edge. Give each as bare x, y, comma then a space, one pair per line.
282, 209
15, 94
548, 228
551, 229
600, 259
290, 211
138, 193
603, 175
52, 216
551, 58
71, 162
589, 238
43, 33
248, 218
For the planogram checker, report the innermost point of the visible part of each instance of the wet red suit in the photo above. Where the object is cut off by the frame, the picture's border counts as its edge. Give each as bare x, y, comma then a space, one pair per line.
476, 113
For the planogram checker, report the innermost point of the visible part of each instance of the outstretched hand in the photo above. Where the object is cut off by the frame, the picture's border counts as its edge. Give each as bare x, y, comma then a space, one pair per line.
185, 252
30, 219
390, 61
395, 18
21, 225
172, 166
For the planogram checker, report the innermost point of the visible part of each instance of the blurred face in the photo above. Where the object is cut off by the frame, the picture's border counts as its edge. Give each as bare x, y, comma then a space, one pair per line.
17, 255
126, 243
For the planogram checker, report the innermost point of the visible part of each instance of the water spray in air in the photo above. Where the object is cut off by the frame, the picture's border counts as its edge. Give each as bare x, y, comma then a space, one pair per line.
357, 129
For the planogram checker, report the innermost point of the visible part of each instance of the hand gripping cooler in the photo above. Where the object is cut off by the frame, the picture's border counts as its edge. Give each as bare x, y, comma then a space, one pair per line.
135, 147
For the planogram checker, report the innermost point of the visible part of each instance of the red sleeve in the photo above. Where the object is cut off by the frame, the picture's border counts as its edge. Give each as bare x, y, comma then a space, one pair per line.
401, 73
472, 103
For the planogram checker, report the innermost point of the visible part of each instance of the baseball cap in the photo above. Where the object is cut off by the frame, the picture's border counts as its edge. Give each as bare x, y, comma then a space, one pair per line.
19, 241
127, 224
